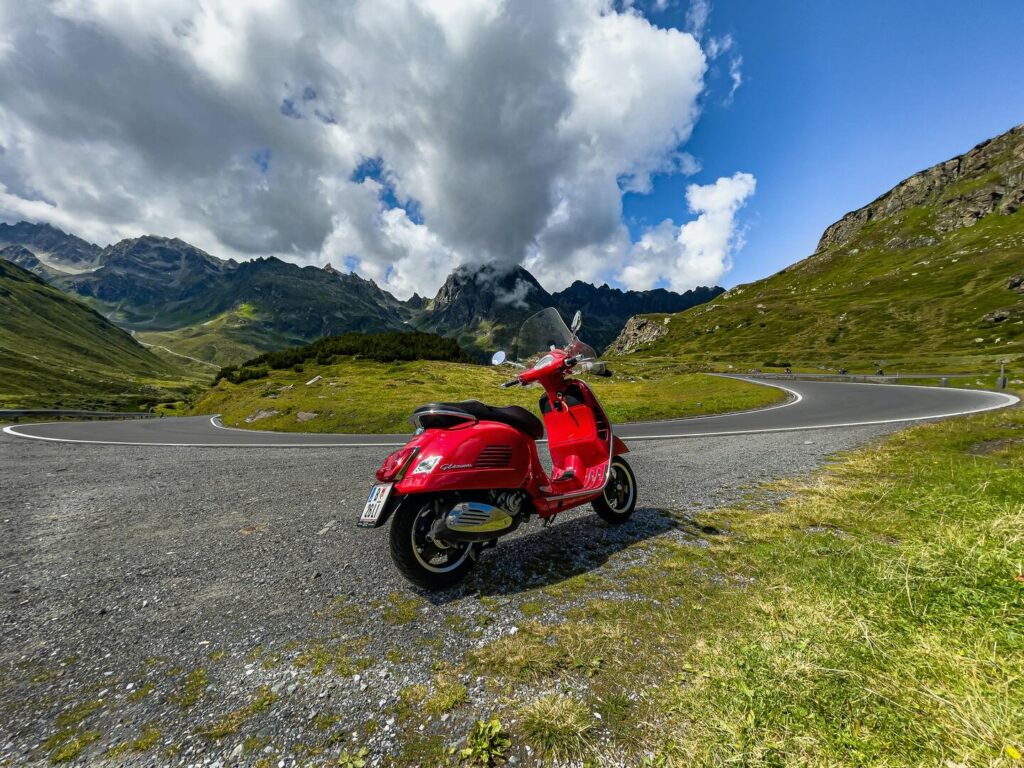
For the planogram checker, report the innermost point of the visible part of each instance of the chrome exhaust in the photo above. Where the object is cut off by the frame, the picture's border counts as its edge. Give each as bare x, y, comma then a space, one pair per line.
473, 521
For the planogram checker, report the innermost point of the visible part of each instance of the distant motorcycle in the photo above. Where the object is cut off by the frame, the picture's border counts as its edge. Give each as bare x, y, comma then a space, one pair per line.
472, 474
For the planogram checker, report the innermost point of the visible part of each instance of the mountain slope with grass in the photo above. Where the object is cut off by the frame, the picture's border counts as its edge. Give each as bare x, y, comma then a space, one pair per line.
57, 352
929, 275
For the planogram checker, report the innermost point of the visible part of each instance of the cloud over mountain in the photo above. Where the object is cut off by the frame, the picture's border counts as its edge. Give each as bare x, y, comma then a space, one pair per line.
398, 137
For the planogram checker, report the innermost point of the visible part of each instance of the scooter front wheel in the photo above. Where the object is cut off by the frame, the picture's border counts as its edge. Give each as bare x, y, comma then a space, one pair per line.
618, 501
424, 561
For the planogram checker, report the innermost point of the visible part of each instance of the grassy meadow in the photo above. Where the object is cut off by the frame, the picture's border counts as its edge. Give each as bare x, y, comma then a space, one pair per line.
357, 395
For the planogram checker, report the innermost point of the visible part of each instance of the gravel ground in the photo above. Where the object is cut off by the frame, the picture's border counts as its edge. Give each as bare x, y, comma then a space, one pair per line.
200, 606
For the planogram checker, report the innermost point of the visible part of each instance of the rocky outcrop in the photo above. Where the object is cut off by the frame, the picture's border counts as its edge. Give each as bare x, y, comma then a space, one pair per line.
988, 179
639, 332
1016, 283
61, 248
23, 257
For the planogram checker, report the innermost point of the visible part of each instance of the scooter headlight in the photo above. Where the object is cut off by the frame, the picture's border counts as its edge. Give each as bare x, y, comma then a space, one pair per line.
426, 464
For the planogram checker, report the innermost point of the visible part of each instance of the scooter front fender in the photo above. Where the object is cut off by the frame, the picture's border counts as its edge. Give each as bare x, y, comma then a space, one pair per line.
618, 447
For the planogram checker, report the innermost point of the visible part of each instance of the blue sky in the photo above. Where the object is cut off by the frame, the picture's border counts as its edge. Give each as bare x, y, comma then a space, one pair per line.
839, 102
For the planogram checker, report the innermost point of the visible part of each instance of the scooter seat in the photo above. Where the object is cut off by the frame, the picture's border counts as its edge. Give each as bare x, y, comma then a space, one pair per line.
513, 415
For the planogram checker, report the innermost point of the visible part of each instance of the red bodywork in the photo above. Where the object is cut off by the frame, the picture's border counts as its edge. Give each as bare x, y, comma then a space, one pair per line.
488, 455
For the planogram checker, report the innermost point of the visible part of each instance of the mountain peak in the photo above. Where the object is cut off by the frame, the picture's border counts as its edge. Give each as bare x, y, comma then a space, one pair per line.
46, 239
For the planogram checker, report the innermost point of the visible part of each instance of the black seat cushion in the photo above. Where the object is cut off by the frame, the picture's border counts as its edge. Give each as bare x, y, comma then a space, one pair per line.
513, 415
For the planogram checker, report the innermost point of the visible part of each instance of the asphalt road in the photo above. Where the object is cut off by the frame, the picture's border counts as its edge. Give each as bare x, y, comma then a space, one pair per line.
149, 594
813, 405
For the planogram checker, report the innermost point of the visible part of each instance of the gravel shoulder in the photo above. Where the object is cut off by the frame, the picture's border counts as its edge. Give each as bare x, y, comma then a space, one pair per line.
184, 606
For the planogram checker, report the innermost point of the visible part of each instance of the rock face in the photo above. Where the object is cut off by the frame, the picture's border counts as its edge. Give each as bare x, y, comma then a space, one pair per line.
639, 332
606, 310
23, 257
43, 240
987, 179
492, 304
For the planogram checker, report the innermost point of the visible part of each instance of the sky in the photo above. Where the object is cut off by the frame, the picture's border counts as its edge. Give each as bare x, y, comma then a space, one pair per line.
660, 143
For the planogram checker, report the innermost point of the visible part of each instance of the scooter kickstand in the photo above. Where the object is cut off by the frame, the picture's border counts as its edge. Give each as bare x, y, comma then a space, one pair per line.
548, 521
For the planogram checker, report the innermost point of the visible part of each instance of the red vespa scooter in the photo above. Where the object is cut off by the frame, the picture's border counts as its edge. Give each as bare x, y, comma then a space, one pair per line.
471, 473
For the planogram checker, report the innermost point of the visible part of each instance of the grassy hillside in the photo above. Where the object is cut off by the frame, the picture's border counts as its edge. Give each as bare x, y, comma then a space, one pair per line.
227, 339
917, 307
921, 278
56, 352
355, 395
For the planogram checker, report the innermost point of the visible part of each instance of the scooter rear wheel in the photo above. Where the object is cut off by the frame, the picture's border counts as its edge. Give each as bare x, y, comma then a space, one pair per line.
424, 562
618, 501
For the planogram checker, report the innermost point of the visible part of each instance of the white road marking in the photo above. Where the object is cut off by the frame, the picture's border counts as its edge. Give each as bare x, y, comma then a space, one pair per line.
13, 431
1010, 400
1007, 401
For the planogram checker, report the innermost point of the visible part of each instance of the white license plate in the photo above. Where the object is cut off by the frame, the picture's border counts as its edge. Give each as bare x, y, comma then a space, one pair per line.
375, 502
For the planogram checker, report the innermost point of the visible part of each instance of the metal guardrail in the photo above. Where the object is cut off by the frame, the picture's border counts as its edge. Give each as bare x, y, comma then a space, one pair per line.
16, 414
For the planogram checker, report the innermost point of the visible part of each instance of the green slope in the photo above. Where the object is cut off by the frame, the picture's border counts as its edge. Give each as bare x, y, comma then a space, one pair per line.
359, 395
227, 339
921, 278
56, 352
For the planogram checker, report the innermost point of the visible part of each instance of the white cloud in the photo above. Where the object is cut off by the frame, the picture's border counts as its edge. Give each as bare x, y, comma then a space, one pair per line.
699, 252
736, 76
515, 128
697, 16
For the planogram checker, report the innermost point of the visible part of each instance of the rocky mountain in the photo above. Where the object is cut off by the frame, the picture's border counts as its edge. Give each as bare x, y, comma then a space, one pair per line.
606, 310
57, 352
956, 193
484, 307
923, 276
51, 245
180, 297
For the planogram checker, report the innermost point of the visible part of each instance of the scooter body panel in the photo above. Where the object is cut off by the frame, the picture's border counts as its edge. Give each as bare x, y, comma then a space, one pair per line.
481, 455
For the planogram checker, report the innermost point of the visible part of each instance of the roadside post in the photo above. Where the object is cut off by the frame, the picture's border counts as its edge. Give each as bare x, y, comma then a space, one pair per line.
1001, 382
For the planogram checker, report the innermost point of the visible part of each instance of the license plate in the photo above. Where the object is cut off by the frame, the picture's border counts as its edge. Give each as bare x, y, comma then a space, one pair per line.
375, 502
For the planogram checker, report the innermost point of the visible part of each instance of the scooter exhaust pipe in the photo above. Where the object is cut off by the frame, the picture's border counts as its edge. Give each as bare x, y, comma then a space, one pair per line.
473, 521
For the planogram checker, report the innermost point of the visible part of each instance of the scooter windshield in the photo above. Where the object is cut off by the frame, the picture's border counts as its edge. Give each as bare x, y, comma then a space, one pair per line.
543, 332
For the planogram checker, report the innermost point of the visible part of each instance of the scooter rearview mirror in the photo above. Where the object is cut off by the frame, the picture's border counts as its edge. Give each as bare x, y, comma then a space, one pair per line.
498, 357
577, 321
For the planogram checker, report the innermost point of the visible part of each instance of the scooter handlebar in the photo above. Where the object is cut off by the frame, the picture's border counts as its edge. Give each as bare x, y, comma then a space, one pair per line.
511, 383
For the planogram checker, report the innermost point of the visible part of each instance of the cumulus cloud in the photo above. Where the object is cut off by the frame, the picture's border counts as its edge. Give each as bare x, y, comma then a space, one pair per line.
500, 132
699, 252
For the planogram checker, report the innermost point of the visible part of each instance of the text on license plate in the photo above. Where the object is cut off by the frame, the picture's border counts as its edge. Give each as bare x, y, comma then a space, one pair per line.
375, 503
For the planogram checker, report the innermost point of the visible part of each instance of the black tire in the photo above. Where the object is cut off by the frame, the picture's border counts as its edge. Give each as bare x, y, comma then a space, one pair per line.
427, 565
618, 501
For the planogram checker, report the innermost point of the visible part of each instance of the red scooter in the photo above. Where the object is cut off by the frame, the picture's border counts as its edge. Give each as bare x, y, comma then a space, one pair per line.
471, 473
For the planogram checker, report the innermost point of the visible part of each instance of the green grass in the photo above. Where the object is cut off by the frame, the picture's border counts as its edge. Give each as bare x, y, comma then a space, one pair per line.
864, 302
55, 352
365, 396
872, 617
226, 339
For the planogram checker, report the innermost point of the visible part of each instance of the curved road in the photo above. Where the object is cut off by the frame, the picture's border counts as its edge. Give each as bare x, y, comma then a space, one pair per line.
812, 405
